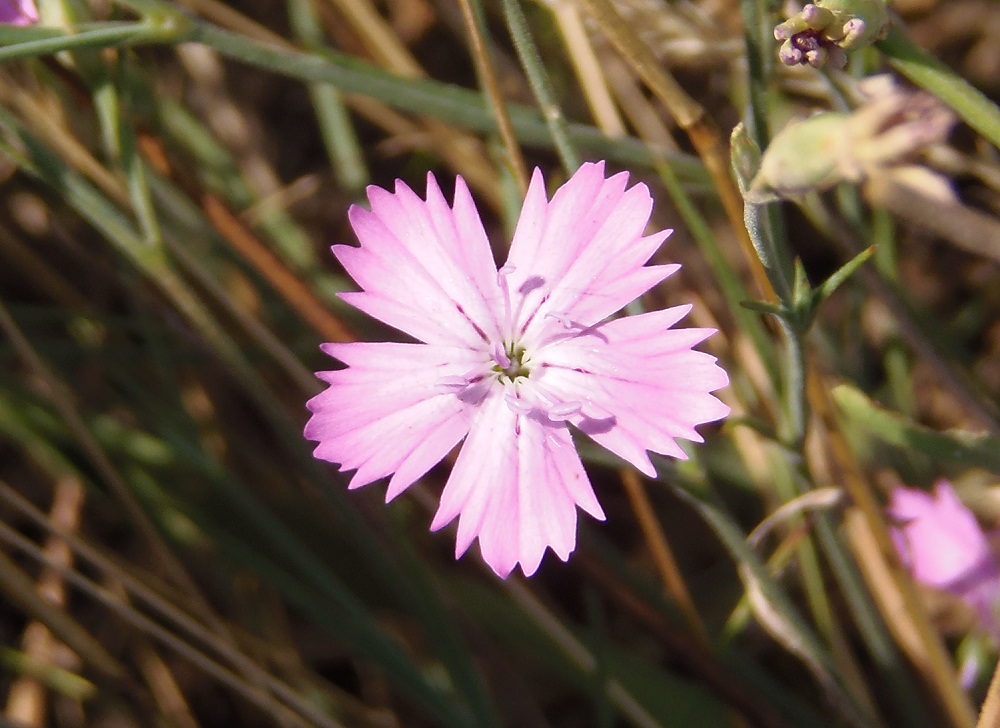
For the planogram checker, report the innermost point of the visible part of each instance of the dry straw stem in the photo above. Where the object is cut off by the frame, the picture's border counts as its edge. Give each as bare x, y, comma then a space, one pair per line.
989, 715
47, 127
37, 268
488, 79
960, 383
245, 244
253, 693
574, 650
896, 594
702, 663
959, 224
666, 564
652, 531
61, 397
663, 557
20, 591
638, 109
691, 117
282, 280
462, 151
577, 652
389, 121
163, 687
26, 698
587, 68
257, 683
796, 543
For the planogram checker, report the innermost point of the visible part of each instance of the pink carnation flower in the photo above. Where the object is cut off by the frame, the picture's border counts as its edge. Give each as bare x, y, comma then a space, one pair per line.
945, 548
18, 12
509, 358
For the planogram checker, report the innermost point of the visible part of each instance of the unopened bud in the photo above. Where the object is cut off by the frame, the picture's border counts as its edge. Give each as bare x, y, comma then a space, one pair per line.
803, 156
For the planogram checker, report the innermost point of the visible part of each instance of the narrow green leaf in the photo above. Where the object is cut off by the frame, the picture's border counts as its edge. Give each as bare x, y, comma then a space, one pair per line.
968, 449
837, 279
773, 607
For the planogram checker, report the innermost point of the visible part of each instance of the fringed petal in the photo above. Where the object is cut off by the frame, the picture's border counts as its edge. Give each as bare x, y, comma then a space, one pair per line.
515, 487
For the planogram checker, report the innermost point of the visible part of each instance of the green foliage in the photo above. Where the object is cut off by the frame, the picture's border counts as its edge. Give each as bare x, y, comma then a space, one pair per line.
173, 175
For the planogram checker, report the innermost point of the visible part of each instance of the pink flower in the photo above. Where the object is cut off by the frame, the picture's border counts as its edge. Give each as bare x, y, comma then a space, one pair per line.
18, 12
509, 358
945, 548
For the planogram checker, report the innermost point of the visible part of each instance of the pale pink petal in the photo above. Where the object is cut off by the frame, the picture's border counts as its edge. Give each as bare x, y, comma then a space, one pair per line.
641, 385
18, 12
391, 411
424, 268
515, 487
939, 537
581, 255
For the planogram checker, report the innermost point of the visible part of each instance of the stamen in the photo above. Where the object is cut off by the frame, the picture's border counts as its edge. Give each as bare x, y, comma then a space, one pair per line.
453, 382
461, 383
563, 319
508, 320
500, 357
561, 412
517, 405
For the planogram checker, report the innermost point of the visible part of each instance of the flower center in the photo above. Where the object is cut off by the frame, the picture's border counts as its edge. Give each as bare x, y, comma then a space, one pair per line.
510, 362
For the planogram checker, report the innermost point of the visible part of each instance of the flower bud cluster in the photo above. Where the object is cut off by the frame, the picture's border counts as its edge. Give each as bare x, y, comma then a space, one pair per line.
823, 33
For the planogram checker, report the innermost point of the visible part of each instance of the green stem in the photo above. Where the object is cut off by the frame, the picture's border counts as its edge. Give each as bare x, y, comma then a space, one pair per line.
930, 74
729, 283
759, 53
869, 623
793, 428
538, 79
459, 106
775, 258
759, 42
347, 161
45, 41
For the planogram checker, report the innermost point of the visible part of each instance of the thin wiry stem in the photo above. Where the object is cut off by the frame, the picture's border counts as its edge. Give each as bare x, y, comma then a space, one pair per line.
577, 652
251, 690
347, 160
163, 686
954, 378
26, 699
147, 626
758, 37
989, 716
588, 69
62, 399
20, 591
663, 557
269, 266
691, 117
538, 79
491, 89
933, 661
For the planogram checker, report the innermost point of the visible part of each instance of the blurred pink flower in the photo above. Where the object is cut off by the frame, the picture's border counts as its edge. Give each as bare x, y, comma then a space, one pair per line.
18, 12
509, 358
944, 547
